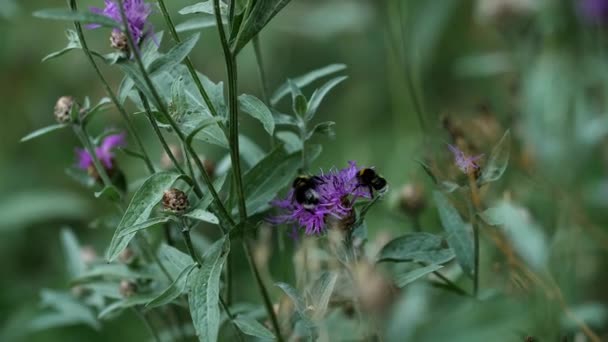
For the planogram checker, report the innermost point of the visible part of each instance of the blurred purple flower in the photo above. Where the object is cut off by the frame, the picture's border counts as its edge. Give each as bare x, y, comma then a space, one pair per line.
466, 164
594, 11
337, 190
103, 152
137, 12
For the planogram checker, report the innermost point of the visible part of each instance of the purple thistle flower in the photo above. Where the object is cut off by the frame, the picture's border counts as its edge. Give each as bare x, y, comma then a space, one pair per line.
593, 11
137, 12
337, 191
103, 152
466, 164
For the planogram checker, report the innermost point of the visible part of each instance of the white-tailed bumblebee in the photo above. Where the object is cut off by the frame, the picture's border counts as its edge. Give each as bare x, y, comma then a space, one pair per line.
369, 178
304, 190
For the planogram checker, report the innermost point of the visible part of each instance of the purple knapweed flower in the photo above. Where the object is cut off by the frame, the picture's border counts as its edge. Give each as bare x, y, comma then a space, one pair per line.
104, 152
137, 12
466, 164
337, 191
593, 11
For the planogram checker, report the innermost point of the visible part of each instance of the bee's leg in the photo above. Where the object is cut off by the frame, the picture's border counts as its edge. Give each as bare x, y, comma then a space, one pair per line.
371, 191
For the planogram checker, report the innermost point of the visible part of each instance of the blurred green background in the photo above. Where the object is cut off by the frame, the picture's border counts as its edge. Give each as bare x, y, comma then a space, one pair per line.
473, 67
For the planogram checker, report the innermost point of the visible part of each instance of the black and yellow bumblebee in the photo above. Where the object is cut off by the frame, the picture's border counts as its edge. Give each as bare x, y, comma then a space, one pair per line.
372, 180
305, 191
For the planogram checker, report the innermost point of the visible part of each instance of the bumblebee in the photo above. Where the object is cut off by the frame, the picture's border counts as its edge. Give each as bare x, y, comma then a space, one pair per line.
369, 178
304, 190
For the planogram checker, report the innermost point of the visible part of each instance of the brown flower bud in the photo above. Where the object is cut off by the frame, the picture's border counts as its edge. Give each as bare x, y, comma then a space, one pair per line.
166, 162
126, 256
118, 41
208, 165
175, 201
63, 108
88, 255
411, 199
127, 288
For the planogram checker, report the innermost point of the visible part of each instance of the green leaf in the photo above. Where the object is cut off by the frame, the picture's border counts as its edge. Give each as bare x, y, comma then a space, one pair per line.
417, 247
203, 7
218, 183
252, 327
525, 235
411, 276
258, 110
174, 290
111, 310
251, 152
83, 17
144, 225
195, 24
73, 43
261, 13
323, 128
321, 293
458, 235
305, 80
43, 131
205, 292
110, 193
268, 177
67, 310
98, 108
319, 94
292, 141
173, 259
299, 103
498, 161
202, 215
111, 271
71, 248
202, 125
174, 56
296, 298
148, 195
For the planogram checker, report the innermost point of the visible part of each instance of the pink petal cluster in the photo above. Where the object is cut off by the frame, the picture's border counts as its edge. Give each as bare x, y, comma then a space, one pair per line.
137, 12
466, 164
104, 152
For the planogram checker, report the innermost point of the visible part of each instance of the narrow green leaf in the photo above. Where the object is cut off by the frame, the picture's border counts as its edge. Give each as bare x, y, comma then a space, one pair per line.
205, 292
195, 24
148, 195
258, 110
252, 327
202, 215
67, 311
458, 235
292, 141
174, 56
203, 7
111, 271
319, 95
324, 128
498, 161
321, 293
305, 80
111, 193
73, 43
43, 131
144, 225
296, 298
173, 259
174, 290
71, 249
261, 13
98, 108
202, 125
83, 17
411, 276
111, 310
417, 247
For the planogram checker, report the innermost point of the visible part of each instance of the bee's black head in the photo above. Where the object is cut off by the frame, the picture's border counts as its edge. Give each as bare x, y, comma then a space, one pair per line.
367, 175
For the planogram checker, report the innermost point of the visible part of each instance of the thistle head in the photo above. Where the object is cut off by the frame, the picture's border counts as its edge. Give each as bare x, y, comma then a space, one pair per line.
137, 13
63, 109
175, 201
466, 164
104, 152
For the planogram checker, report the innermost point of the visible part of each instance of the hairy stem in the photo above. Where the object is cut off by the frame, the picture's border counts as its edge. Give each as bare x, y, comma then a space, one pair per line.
188, 241
111, 93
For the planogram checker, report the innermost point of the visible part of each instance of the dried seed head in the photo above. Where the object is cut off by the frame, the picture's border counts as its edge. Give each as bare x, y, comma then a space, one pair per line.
127, 288
166, 162
411, 199
63, 108
375, 290
118, 41
88, 255
126, 256
208, 165
175, 201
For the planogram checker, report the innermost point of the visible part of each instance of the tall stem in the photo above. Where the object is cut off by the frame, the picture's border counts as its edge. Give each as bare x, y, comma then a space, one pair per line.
163, 109
188, 241
84, 139
260, 62
475, 204
109, 91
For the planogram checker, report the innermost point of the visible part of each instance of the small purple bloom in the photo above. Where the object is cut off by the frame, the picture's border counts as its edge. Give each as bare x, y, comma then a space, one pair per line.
593, 11
337, 191
137, 12
466, 164
103, 152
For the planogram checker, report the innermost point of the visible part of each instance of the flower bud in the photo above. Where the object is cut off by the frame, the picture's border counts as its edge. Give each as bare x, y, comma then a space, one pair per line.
118, 41
376, 293
63, 108
208, 165
411, 199
88, 255
175, 201
165, 161
127, 288
126, 256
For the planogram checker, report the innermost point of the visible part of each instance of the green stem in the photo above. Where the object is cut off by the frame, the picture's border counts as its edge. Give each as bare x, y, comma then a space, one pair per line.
233, 123
110, 93
260, 63
476, 258
188, 241
231, 318
84, 139
163, 109
163, 142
